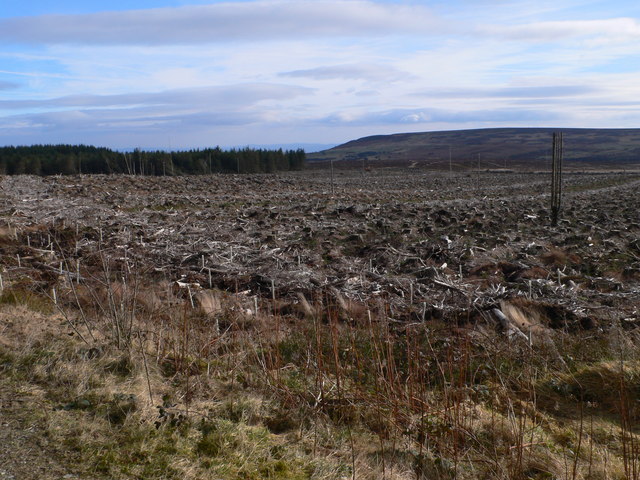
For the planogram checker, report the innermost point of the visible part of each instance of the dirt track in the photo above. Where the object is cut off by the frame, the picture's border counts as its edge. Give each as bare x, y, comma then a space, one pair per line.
24, 453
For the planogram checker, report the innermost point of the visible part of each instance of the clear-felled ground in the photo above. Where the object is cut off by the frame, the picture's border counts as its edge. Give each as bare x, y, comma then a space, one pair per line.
396, 324
420, 240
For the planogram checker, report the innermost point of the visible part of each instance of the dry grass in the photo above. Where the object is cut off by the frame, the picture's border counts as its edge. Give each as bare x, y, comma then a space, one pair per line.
268, 405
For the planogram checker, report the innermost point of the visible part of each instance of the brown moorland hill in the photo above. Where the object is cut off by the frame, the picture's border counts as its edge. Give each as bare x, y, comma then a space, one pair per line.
521, 148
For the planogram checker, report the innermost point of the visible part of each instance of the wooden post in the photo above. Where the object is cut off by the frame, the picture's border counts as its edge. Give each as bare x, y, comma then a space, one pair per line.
556, 177
193, 305
127, 164
332, 188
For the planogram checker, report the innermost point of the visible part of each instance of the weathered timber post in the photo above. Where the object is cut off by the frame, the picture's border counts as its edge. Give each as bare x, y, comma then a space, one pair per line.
126, 162
556, 177
332, 187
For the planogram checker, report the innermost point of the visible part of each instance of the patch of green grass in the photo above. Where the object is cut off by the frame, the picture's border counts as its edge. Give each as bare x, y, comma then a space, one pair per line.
122, 367
31, 300
7, 360
23, 367
239, 410
132, 450
238, 451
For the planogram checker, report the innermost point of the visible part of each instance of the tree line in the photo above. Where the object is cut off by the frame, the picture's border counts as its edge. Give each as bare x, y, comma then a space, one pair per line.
74, 159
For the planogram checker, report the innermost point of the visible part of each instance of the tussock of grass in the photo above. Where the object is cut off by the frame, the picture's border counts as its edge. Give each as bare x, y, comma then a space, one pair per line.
609, 386
18, 296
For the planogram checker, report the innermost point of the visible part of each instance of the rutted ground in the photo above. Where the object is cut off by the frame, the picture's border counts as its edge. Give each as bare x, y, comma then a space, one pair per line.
386, 233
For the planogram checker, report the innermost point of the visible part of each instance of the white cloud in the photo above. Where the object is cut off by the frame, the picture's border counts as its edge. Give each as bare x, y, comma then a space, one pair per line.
229, 96
400, 117
223, 22
182, 112
353, 71
615, 29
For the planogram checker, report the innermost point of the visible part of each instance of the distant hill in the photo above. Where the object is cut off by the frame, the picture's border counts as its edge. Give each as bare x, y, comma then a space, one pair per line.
495, 148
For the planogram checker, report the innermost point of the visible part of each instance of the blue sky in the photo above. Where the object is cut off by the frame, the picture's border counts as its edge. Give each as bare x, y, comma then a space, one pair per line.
196, 73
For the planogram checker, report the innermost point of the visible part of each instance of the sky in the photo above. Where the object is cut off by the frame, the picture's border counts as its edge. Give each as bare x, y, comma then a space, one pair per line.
180, 74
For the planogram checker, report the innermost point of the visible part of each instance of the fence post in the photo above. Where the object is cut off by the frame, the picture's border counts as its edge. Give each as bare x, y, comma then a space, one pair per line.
556, 177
